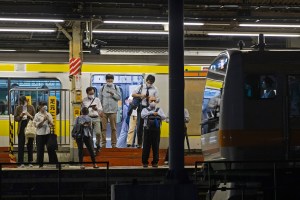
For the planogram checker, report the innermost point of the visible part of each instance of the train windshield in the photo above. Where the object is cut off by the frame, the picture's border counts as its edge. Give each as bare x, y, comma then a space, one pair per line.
212, 95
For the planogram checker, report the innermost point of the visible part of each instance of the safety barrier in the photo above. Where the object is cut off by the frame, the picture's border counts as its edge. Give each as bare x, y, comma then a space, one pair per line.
58, 101
273, 179
61, 175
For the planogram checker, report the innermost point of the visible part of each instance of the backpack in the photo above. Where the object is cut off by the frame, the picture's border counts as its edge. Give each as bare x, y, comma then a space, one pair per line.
77, 131
153, 121
136, 101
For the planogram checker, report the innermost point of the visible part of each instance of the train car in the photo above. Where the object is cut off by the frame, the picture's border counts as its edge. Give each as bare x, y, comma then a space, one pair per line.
39, 81
251, 106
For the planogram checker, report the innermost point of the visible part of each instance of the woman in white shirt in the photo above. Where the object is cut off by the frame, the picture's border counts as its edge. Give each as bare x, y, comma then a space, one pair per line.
43, 121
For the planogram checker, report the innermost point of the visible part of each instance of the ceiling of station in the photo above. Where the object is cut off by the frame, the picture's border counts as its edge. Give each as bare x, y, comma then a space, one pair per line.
217, 24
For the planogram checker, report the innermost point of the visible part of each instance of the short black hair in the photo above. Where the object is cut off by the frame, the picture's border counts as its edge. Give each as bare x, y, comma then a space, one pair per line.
150, 78
109, 76
43, 103
22, 99
89, 89
85, 111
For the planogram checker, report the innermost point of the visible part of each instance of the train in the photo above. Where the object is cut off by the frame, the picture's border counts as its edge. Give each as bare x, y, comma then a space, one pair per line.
39, 81
251, 106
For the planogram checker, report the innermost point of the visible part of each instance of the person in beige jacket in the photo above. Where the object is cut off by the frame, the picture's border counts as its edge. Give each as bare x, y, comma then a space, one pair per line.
23, 114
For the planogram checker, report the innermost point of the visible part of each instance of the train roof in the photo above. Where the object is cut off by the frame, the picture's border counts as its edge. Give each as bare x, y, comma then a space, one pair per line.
270, 56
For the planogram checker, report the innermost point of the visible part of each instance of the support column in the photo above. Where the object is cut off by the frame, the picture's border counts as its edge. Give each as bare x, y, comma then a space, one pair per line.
176, 92
75, 46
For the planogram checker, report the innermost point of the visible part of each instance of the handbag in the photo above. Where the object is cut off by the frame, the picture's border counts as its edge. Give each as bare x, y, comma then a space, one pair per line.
136, 101
30, 130
52, 141
77, 131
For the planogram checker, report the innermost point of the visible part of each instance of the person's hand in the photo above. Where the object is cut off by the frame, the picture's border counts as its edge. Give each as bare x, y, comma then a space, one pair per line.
45, 118
22, 114
143, 96
155, 113
94, 107
101, 114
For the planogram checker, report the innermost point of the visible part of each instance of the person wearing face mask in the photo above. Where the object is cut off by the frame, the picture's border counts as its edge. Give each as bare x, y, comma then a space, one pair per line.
43, 121
23, 114
110, 95
124, 130
95, 112
144, 92
153, 117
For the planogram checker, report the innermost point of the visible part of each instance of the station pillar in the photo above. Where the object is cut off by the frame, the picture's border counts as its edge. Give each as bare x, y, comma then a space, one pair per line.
176, 172
75, 49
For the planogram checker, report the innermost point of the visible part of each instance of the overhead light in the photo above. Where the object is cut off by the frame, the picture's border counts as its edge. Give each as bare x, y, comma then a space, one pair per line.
26, 30
149, 23
8, 50
254, 34
30, 20
271, 25
131, 32
59, 50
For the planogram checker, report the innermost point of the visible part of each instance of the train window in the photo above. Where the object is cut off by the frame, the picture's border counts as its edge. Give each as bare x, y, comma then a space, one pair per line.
220, 65
3, 97
294, 95
36, 96
260, 86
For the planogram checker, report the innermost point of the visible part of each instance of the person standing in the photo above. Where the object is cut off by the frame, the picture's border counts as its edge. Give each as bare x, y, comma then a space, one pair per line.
144, 92
23, 114
85, 121
110, 95
153, 117
121, 143
95, 112
186, 120
132, 114
43, 121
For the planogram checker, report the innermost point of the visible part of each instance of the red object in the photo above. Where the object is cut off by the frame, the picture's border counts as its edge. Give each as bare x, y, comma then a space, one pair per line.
75, 66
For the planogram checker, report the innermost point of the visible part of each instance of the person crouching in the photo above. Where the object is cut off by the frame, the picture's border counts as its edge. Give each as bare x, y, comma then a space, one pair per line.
86, 122
153, 117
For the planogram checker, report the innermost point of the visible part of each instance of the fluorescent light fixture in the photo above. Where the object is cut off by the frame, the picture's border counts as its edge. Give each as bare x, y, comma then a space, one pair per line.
135, 22
254, 34
271, 25
7, 50
58, 50
30, 20
132, 32
53, 50
26, 30
149, 23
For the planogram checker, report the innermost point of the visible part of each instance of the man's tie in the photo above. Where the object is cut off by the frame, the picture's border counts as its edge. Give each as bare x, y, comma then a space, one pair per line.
147, 95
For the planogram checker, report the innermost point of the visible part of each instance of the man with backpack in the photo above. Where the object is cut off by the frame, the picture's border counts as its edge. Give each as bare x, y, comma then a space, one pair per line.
143, 92
95, 112
109, 95
153, 117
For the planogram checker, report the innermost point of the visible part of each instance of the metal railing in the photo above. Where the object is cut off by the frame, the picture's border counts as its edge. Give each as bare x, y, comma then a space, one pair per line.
214, 176
29, 193
63, 109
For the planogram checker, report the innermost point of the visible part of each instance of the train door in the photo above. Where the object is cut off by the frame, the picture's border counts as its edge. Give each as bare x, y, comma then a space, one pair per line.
293, 106
211, 107
127, 83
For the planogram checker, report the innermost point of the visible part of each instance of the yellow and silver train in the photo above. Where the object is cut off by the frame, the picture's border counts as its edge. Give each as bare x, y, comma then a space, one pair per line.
41, 81
251, 106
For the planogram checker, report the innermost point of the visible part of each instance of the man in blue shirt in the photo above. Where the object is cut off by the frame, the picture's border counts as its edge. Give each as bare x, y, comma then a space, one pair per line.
152, 117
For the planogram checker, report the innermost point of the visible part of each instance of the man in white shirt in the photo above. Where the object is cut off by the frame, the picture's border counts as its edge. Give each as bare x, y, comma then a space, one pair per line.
95, 112
144, 92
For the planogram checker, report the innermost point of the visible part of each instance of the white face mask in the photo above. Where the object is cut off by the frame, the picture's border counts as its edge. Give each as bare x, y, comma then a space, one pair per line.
149, 85
109, 84
152, 104
45, 108
90, 96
